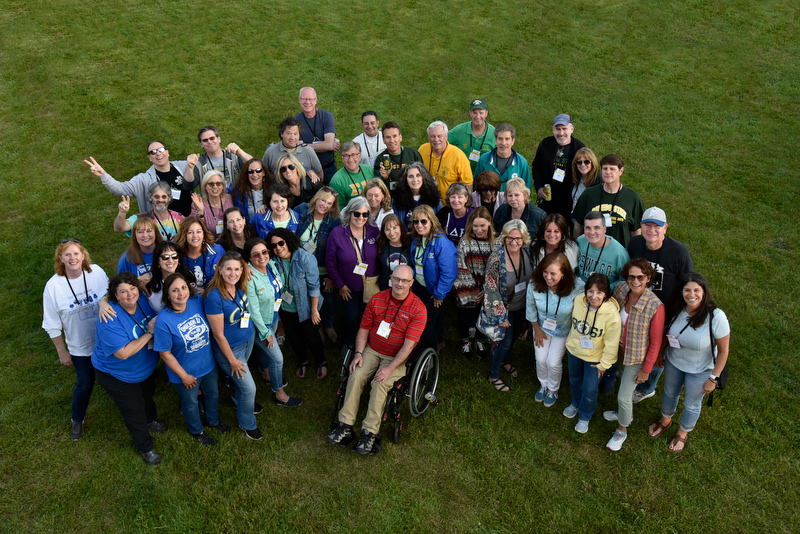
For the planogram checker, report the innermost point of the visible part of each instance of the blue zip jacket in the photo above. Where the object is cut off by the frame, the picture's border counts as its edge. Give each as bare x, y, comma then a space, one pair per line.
439, 265
264, 223
517, 168
323, 230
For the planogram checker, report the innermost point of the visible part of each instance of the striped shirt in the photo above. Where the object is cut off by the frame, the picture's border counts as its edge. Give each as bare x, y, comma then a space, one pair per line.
407, 319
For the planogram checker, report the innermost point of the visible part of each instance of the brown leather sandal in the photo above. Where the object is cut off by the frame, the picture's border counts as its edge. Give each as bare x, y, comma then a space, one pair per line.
656, 429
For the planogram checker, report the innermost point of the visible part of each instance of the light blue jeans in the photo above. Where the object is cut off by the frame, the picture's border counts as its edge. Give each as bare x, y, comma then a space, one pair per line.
583, 385
191, 413
243, 390
650, 384
270, 358
674, 381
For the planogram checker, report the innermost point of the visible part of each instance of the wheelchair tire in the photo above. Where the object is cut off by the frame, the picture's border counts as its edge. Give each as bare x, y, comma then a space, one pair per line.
423, 380
396, 434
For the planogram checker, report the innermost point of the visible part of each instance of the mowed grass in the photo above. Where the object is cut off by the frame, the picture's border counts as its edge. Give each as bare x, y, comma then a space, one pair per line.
698, 97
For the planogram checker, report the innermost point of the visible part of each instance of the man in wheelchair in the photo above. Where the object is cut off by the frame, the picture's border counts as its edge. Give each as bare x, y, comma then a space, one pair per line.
392, 325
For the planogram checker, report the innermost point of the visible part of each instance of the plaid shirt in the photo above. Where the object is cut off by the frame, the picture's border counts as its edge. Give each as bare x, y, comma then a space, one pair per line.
636, 331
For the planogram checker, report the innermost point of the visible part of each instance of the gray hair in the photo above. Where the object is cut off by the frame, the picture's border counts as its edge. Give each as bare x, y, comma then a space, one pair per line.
515, 224
155, 186
206, 177
304, 88
458, 188
348, 145
436, 124
356, 204
505, 127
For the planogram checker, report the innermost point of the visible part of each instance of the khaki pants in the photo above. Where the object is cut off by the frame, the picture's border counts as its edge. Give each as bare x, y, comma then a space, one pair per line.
377, 398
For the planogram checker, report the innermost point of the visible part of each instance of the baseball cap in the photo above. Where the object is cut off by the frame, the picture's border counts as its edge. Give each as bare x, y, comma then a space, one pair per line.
654, 215
563, 118
478, 103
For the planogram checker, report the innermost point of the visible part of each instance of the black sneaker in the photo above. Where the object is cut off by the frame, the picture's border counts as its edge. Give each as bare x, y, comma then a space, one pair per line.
254, 434
257, 409
466, 350
151, 457
220, 427
342, 434
366, 443
204, 438
481, 348
157, 427
76, 431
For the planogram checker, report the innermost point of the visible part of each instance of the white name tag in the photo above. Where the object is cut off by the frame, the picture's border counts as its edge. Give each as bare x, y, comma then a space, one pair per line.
176, 194
474, 155
360, 269
287, 297
586, 342
673, 342
521, 287
607, 217
220, 227
419, 270
245, 320
549, 324
558, 175
277, 306
384, 329
310, 247
86, 313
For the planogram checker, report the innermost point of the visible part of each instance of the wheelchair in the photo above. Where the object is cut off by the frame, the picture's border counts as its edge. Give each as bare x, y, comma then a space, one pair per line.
418, 385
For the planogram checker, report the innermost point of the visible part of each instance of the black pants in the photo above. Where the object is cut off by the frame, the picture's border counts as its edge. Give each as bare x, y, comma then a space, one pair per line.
468, 318
435, 323
135, 402
298, 334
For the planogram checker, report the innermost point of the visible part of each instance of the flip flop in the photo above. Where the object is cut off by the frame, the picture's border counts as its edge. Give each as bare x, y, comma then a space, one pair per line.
302, 369
320, 367
508, 368
658, 430
499, 385
678, 439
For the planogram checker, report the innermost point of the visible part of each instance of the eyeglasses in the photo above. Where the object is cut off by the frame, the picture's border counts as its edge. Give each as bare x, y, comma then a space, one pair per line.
166, 257
421, 222
156, 151
256, 254
290, 167
214, 184
70, 240
277, 244
514, 239
360, 214
351, 156
397, 280
583, 162
255, 171
639, 277
307, 99
330, 190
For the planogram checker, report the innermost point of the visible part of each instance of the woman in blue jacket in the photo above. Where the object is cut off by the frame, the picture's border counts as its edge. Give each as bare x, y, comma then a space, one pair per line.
280, 213
249, 193
435, 268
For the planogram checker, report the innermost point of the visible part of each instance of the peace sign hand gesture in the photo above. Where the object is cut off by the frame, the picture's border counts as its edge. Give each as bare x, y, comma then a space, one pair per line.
94, 167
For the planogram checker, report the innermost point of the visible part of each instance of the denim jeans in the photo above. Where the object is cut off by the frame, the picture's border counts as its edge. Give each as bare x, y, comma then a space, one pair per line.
271, 359
627, 385
189, 409
502, 348
674, 382
548, 362
583, 385
243, 390
82, 392
650, 384
328, 304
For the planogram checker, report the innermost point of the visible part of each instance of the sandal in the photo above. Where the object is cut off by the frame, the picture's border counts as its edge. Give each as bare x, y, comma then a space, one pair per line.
322, 370
301, 370
678, 439
508, 368
499, 385
656, 429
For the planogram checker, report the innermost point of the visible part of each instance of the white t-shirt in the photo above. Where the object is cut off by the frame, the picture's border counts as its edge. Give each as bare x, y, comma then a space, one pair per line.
370, 147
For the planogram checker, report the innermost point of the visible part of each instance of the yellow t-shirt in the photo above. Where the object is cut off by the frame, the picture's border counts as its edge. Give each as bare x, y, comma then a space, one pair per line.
453, 166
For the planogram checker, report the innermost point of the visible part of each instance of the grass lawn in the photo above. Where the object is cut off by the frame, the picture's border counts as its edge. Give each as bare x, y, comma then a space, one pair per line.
699, 98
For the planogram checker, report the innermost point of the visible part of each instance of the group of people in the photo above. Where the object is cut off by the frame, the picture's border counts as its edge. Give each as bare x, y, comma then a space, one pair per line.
559, 252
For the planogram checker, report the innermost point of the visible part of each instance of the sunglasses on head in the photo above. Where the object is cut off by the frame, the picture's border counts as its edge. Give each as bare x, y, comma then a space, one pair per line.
156, 151
232, 254
290, 167
330, 190
255, 171
277, 244
70, 240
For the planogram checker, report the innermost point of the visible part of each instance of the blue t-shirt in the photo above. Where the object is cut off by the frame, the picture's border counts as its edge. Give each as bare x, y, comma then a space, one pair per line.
203, 266
114, 335
231, 311
188, 336
126, 266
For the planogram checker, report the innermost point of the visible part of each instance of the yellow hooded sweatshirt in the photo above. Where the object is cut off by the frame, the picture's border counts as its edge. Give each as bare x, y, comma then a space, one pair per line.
605, 326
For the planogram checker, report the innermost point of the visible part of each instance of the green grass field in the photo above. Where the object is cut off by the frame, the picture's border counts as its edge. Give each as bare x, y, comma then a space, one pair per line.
699, 98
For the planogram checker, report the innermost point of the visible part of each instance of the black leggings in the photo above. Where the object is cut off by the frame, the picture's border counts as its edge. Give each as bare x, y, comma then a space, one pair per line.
298, 334
135, 402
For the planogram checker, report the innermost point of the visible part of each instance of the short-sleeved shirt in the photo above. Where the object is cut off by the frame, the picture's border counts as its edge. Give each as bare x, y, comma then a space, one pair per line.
168, 228
451, 167
350, 184
203, 266
625, 208
231, 310
126, 265
396, 163
188, 337
407, 319
694, 356
314, 129
670, 261
461, 136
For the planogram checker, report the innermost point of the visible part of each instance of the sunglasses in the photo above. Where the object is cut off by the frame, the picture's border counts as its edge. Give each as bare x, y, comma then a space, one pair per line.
255, 254
214, 184
207, 139
255, 171
277, 244
639, 277
156, 151
423, 222
290, 167
583, 162
482, 191
232, 254
70, 240
330, 190
360, 214
173, 256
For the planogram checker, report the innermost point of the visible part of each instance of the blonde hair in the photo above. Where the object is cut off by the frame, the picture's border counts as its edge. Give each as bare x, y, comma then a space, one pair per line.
516, 224
386, 203
519, 185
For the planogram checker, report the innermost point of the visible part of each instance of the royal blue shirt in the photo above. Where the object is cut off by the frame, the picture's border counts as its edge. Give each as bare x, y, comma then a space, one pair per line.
188, 336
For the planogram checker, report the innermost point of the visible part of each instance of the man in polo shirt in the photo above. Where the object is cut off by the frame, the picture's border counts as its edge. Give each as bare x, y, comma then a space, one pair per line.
349, 181
228, 161
168, 221
671, 259
621, 206
289, 130
446, 163
162, 169
319, 131
389, 163
371, 139
504, 160
392, 325
476, 136
553, 165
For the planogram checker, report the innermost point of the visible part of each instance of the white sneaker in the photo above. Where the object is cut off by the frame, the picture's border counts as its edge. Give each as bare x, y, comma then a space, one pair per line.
582, 426
611, 415
570, 411
639, 397
616, 441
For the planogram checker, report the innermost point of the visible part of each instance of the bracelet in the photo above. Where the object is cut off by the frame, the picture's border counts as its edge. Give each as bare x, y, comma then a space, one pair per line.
357, 352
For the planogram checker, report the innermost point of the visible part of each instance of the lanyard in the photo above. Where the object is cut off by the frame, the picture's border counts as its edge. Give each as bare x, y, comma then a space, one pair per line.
377, 143
359, 252
285, 274
547, 304
521, 273
314, 234
421, 257
613, 199
137, 323
396, 311
360, 173
593, 320
597, 261
236, 291
485, 131
312, 128
85, 288
438, 167
164, 230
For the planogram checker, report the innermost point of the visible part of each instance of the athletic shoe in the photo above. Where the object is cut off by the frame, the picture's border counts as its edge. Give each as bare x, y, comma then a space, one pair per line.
639, 397
204, 438
582, 427
366, 443
570, 411
257, 408
616, 441
466, 350
220, 427
540, 394
254, 434
76, 431
550, 399
151, 457
481, 348
611, 415
342, 434
291, 402
157, 427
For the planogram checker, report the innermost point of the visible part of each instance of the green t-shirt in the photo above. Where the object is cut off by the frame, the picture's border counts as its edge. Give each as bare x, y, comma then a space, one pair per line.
462, 137
349, 184
625, 208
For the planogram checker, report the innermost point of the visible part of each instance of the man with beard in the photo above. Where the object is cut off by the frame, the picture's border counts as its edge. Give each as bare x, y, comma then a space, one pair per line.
168, 221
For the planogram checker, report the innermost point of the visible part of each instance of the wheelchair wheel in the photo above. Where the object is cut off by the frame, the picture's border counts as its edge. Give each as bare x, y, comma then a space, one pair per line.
396, 435
423, 381
345, 375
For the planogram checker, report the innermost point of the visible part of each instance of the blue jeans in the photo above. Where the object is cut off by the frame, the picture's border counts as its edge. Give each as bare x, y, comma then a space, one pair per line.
328, 304
82, 392
270, 358
189, 409
502, 349
649, 385
243, 390
583, 386
674, 382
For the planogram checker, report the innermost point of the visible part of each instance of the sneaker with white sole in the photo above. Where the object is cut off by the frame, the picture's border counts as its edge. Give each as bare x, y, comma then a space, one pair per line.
639, 397
466, 350
550, 399
611, 415
570, 411
616, 441
582, 427
366, 443
254, 434
540, 394
341, 434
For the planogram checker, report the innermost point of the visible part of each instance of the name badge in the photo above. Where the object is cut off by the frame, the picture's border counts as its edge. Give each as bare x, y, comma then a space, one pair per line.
607, 217
360, 269
474, 155
86, 313
549, 324
558, 175
419, 270
586, 342
310, 247
521, 287
277, 306
287, 297
245, 320
220, 227
384, 329
673, 342
176, 194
